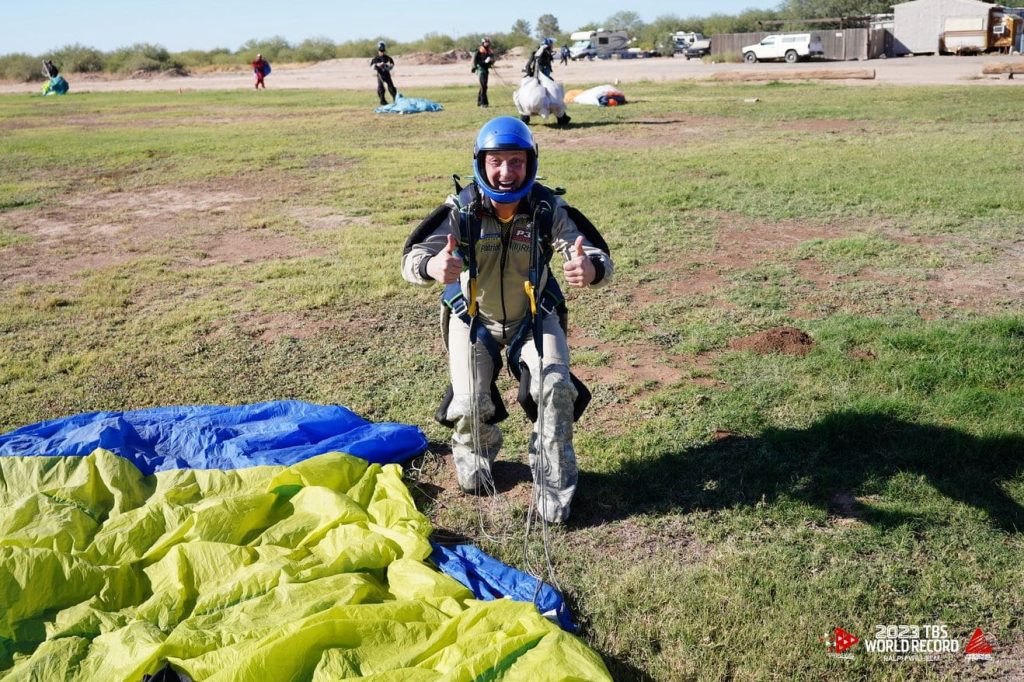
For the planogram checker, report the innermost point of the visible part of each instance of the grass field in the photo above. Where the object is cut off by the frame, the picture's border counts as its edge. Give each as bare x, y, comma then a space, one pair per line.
736, 502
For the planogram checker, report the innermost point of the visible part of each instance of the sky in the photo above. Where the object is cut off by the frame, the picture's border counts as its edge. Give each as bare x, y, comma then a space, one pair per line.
35, 27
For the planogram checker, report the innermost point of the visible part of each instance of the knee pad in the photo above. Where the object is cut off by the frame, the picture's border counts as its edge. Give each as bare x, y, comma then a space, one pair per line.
495, 412
529, 403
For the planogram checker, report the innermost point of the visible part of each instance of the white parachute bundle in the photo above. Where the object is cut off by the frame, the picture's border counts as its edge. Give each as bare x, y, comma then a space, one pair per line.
539, 96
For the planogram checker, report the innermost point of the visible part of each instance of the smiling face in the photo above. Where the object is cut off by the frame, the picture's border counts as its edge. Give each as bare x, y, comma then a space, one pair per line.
505, 170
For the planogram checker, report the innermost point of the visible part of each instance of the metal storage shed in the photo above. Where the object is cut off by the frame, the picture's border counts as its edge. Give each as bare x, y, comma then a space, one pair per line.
918, 25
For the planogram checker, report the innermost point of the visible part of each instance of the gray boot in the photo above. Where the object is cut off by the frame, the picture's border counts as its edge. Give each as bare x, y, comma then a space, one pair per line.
473, 471
554, 483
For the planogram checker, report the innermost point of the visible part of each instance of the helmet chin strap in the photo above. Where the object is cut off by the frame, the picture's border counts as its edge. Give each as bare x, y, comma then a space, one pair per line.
499, 196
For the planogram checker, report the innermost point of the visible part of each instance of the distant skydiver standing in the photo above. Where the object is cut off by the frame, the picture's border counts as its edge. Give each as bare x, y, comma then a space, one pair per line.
259, 69
541, 60
565, 55
482, 62
383, 64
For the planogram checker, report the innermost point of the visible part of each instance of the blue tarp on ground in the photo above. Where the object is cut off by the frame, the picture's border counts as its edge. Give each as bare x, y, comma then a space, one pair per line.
219, 437
409, 105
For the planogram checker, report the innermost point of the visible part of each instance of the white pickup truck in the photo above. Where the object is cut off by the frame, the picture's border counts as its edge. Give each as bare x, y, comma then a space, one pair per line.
789, 46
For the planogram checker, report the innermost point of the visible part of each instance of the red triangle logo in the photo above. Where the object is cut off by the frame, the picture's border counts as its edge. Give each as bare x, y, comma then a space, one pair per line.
844, 640
978, 644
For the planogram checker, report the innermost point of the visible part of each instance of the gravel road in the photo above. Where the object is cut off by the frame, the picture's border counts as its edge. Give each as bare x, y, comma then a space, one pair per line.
355, 74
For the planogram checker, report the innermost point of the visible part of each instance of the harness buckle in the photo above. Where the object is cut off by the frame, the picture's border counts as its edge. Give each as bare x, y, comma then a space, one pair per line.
459, 306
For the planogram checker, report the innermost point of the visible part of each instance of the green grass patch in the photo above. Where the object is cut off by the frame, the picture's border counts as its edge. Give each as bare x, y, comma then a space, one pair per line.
733, 507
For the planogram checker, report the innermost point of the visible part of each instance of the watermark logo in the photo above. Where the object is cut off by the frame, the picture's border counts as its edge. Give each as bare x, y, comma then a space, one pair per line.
978, 648
912, 642
840, 642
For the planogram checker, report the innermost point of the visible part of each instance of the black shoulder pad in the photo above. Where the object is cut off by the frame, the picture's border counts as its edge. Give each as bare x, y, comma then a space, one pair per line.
427, 226
468, 195
587, 228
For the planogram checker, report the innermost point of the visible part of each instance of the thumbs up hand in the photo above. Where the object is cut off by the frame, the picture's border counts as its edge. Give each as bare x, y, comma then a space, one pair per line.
445, 267
579, 269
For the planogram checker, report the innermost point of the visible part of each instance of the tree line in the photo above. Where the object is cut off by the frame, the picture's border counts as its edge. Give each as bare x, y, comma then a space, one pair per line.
150, 58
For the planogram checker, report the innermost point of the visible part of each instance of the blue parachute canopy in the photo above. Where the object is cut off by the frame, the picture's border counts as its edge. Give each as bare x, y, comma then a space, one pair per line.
219, 437
55, 86
409, 105
489, 579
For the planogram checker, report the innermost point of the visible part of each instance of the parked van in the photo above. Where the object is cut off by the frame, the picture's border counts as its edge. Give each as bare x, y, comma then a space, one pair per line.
590, 44
789, 46
683, 39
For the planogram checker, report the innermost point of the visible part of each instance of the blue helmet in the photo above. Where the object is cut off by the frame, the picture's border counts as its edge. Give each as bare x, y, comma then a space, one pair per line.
382, 47
504, 133
549, 41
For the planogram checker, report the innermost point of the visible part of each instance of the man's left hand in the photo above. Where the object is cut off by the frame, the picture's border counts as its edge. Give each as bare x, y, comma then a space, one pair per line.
579, 270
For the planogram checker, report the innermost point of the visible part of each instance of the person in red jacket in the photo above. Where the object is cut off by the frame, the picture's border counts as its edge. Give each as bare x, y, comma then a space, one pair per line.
259, 68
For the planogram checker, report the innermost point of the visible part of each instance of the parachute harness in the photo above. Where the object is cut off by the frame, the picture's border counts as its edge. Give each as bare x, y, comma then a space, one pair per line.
470, 215
482, 485
532, 286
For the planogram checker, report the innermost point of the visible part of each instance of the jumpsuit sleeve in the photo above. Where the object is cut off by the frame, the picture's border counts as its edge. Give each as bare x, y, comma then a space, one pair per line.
426, 241
569, 224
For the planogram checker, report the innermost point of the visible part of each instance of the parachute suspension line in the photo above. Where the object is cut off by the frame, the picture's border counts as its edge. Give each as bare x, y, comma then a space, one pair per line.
482, 485
540, 469
494, 69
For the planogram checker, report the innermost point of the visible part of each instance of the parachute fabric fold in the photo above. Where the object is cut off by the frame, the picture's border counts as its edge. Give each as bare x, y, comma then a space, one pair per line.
219, 436
311, 571
489, 578
600, 95
409, 105
539, 96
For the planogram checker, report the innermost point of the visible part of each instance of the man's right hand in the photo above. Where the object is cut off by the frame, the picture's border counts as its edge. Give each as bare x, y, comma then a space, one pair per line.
445, 267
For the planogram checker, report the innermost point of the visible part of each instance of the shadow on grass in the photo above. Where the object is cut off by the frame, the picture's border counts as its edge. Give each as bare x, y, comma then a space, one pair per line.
825, 465
580, 125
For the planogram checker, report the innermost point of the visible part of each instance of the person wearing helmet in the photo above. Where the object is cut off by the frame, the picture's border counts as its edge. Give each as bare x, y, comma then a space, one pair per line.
482, 62
259, 70
488, 239
382, 65
541, 60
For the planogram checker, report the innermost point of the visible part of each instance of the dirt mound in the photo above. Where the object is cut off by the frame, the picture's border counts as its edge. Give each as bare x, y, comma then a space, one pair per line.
449, 57
785, 340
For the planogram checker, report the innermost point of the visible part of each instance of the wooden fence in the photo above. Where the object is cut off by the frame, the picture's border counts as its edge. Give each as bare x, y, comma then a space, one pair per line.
840, 45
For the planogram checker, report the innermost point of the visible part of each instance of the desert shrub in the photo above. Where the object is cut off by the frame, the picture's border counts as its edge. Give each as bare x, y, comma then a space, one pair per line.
275, 49
20, 67
141, 57
431, 42
315, 50
220, 56
78, 59
362, 48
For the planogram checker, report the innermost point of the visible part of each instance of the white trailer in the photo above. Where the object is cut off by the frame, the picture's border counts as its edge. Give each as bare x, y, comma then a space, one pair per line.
600, 43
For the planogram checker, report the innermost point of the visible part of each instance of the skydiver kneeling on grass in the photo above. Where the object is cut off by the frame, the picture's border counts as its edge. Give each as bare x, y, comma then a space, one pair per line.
491, 244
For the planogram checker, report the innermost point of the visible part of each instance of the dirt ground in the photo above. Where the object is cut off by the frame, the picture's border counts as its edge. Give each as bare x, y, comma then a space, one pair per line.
355, 74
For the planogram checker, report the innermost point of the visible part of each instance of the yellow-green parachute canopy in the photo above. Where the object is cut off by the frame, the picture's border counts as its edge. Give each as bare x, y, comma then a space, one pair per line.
310, 571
